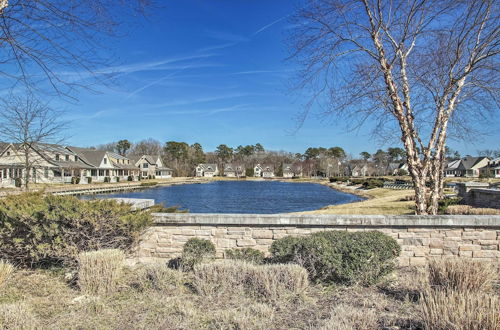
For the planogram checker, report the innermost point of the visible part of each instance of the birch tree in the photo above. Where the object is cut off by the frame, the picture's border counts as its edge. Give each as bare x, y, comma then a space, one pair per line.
422, 70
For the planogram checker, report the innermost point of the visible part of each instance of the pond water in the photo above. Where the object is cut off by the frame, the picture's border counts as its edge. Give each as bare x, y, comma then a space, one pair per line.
263, 197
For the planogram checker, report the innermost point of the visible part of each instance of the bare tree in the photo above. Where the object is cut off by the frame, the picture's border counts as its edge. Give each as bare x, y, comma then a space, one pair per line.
29, 123
427, 69
146, 147
59, 41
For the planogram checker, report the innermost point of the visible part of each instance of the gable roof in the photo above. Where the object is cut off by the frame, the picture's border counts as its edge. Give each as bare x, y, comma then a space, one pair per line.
453, 165
208, 167
469, 162
89, 156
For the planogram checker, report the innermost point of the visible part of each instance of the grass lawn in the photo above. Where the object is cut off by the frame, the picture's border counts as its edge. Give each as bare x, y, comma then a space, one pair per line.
47, 300
380, 201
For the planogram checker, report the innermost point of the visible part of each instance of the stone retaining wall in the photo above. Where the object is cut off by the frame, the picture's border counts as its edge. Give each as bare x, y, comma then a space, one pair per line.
420, 237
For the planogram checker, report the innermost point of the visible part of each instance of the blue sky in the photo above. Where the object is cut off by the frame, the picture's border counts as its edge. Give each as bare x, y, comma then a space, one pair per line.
212, 72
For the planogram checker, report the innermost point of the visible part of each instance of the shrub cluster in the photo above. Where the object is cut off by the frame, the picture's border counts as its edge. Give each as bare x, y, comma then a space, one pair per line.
37, 229
469, 210
246, 254
444, 203
340, 257
196, 250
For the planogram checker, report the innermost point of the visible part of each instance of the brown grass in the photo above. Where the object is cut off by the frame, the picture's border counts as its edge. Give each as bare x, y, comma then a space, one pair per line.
6, 271
456, 310
269, 282
99, 271
467, 209
461, 275
17, 316
346, 318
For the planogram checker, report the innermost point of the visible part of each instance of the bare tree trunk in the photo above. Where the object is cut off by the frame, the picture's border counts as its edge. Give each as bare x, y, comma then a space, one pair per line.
26, 167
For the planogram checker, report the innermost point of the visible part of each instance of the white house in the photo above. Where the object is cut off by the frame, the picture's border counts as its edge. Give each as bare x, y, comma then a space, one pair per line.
207, 170
152, 166
292, 170
234, 170
265, 171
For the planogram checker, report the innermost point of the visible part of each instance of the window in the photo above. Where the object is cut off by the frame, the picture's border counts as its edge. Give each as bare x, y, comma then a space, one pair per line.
67, 158
8, 153
76, 158
145, 165
105, 161
57, 157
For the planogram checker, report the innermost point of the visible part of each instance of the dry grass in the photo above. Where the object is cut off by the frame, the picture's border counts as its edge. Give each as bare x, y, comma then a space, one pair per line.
381, 201
268, 282
346, 318
456, 310
99, 271
17, 316
154, 277
461, 275
6, 271
467, 209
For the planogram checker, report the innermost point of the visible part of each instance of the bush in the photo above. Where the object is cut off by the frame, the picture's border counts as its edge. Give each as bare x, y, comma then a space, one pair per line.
339, 179
461, 275
117, 179
195, 251
269, 282
130, 178
99, 271
18, 182
89, 179
247, 254
37, 229
340, 257
148, 184
107, 179
402, 172
442, 310
445, 202
75, 180
6, 270
373, 183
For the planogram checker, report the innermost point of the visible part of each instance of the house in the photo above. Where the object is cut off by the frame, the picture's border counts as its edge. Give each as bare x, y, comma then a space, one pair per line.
105, 166
292, 170
265, 171
48, 163
234, 170
452, 169
492, 170
151, 167
467, 167
207, 170
360, 170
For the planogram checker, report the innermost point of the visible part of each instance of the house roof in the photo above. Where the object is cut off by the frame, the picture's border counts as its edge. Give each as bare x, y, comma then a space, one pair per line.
469, 162
453, 165
209, 167
232, 167
89, 156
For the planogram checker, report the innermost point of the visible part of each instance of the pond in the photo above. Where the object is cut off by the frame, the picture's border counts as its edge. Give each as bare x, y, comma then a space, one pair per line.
263, 197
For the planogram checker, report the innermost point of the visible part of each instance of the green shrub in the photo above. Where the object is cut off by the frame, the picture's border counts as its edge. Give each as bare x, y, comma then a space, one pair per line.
447, 201
18, 182
107, 179
117, 179
373, 183
339, 179
282, 250
340, 257
89, 179
130, 178
246, 254
160, 208
75, 180
37, 229
196, 250
148, 184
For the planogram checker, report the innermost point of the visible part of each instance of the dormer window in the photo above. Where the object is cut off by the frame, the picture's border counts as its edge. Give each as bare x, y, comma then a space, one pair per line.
8, 153
105, 161
57, 157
